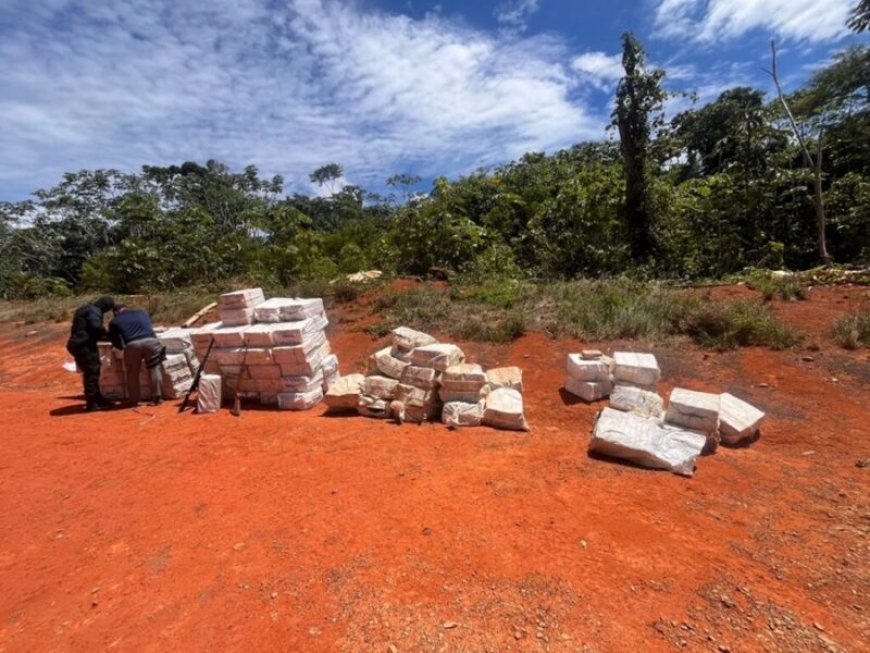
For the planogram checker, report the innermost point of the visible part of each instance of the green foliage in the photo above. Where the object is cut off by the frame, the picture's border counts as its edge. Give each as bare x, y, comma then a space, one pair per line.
724, 326
789, 287
853, 331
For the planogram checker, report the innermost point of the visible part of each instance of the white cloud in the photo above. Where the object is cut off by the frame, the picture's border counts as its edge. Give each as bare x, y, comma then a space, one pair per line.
513, 14
123, 83
599, 68
720, 20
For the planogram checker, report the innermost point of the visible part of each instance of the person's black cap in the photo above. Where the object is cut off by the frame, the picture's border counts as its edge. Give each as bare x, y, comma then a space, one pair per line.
105, 303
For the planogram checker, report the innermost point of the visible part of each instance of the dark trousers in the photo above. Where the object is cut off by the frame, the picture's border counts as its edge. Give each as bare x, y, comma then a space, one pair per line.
146, 350
88, 361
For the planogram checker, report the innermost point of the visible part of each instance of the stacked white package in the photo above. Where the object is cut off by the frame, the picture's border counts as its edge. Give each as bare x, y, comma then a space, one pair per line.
738, 420
383, 362
645, 442
208, 393
504, 410
636, 369
505, 377
177, 376
280, 355
460, 413
380, 387
417, 392
438, 356
112, 382
345, 392
588, 378
405, 340
465, 382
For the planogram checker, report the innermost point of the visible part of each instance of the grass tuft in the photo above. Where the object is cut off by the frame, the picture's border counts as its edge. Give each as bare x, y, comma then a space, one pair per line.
853, 331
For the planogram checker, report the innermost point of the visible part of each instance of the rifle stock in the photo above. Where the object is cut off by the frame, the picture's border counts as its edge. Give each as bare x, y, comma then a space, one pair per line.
194, 385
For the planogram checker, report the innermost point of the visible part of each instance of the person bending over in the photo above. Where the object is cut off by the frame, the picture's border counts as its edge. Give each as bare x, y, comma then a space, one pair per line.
86, 331
132, 332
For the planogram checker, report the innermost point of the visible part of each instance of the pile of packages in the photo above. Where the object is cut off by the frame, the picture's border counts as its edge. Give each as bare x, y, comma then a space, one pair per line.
637, 427
418, 379
273, 351
178, 369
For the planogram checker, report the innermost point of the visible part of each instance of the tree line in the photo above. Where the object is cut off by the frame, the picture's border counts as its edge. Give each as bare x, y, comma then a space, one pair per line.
734, 183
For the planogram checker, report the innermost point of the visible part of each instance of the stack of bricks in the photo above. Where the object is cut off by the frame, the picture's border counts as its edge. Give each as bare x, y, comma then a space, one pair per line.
272, 351
418, 379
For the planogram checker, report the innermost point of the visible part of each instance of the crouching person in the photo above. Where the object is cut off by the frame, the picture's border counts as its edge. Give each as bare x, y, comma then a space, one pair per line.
132, 332
86, 331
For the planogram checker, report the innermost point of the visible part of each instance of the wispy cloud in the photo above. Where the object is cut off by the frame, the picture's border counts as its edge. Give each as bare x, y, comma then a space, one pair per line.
602, 70
514, 14
719, 20
121, 83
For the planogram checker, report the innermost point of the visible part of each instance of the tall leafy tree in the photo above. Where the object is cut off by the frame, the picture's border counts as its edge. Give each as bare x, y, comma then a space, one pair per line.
859, 19
638, 112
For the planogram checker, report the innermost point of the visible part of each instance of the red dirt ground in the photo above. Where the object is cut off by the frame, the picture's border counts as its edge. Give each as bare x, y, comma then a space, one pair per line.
149, 531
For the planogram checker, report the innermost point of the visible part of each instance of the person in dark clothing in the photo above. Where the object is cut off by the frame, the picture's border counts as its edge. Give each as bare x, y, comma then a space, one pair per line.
86, 331
131, 331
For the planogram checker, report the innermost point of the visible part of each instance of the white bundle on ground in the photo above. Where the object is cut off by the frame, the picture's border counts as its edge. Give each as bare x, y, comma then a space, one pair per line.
405, 340
380, 387
329, 368
300, 400
644, 442
418, 404
383, 362
636, 369
438, 356
587, 377
738, 420
369, 406
208, 393
177, 376
636, 400
465, 382
461, 413
697, 411
344, 393
505, 377
504, 410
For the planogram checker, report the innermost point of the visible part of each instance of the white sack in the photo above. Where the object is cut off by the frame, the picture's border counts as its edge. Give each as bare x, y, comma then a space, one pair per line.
299, 400
208, 394
458, 413
505, 377
588, 391
437, 356
345, 392
697, 411
636, 368
738, 419
581, 369
504, 410
637, 400
383, 362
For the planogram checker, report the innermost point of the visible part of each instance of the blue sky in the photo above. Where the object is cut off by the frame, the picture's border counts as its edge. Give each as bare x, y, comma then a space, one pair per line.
379, 86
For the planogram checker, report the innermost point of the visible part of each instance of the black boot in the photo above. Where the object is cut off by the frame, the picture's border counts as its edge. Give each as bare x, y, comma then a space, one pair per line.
96, 403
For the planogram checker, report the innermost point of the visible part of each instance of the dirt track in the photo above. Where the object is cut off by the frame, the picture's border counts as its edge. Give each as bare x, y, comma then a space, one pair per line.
150, 531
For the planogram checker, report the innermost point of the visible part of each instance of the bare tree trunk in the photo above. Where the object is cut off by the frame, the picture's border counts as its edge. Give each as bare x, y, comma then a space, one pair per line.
814, 164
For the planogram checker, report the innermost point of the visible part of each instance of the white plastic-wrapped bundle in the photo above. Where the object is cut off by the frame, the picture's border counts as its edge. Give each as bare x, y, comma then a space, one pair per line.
504, 410
344, 392
420, 377
296, 333
406, 339
738, 419
270, 310
644, 442
176, 340
241, 299
329, 368
636, 369
302, 309
300, 400
368, 406
437, 356
240, 317
227, 336
588, 391
308, 366
271, 371
258, 335
505, 377
636, 400
463, 383
418, 404
460, 413
582, 369
303, 383
383, 362
208, 394
697, 411
380, 387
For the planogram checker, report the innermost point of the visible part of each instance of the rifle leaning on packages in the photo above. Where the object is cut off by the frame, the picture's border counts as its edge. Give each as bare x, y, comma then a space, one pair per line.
194, 385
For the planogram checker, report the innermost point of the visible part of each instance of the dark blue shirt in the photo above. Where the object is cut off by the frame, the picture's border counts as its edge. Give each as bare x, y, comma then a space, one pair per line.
130, 325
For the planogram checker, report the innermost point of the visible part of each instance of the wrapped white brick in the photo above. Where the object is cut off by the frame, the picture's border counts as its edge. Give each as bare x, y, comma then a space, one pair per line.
637, 400
308, 366
697, 411
345, 392
300, 400
437, 356
505, 377
265, 371
459, 413
202, 336
208, 394
269, 311
738, 420
418, 404
373, 407
636, 368
226, 336
329, 370
258, 335
303, 383
240, 317
504, 410
642, 441
302, 309
296, 333
588, 391
406, 339
465, 382
420, 377
243, 356
582, 369
299, 353
380, 387
241, 299
176, 340
385, 363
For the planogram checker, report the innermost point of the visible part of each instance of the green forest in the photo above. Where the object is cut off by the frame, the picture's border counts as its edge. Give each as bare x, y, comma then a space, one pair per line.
748, 180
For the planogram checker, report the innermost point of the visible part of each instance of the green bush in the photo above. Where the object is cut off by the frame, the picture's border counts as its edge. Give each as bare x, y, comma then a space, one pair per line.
853, 331
724, 326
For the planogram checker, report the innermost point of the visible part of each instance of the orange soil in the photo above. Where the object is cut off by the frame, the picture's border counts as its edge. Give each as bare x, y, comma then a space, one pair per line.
148, 530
